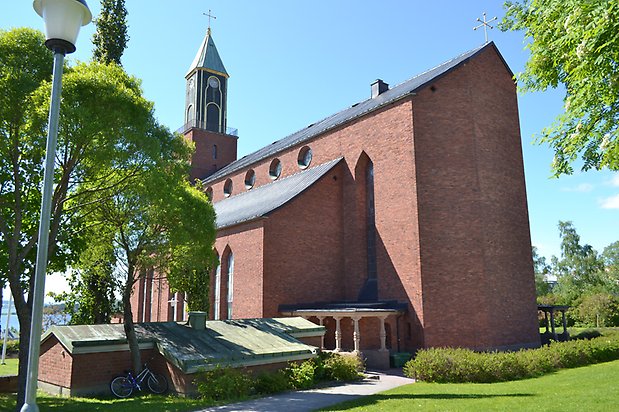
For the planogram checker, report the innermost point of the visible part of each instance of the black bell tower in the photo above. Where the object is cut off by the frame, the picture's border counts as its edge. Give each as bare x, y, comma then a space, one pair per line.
207, 87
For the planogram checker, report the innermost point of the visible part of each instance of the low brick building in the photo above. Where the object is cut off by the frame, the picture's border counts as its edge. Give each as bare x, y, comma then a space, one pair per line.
398, 223
83, 359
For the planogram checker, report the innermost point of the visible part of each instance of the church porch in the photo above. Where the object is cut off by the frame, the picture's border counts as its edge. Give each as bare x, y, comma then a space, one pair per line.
365, 331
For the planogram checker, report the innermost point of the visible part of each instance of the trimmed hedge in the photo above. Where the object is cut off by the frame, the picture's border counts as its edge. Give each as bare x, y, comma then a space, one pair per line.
463, 365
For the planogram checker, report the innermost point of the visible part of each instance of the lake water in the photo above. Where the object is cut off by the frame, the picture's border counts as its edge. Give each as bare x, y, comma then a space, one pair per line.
13, 321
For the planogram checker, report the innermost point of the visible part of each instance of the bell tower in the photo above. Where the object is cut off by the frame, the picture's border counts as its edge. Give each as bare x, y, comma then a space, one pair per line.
206, 121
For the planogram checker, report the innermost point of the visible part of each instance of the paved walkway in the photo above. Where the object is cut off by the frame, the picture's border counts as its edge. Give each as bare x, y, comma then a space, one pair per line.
313, 399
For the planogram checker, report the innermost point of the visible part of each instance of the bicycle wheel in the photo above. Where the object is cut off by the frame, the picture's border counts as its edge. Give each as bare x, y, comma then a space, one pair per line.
157, 383
121, 387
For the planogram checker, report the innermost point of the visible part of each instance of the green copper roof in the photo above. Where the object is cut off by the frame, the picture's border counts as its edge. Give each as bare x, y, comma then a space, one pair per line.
235, 343
208, 57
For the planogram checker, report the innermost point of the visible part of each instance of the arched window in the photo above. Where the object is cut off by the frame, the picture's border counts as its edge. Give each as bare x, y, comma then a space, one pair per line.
213, 90
217, 303
364, 182
228, 188
212, 104
189, 117
214, 151
275, 169
230, 283
305, 157
209, 193
370, 219
213, 117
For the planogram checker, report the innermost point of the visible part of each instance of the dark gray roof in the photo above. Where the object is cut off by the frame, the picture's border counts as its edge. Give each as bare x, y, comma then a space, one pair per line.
357, 110
264, 199
345, 306
208, 57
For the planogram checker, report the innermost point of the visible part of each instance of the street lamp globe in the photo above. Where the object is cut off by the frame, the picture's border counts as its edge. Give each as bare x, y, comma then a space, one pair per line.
63, 19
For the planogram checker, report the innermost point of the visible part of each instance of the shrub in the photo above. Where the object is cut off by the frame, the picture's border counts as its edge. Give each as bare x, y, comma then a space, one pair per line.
12, 346
271, 382
341, 367
301, 375
464, 365
223, 384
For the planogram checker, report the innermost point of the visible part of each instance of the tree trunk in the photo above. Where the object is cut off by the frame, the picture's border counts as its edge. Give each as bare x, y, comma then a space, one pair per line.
24, 314
132, 339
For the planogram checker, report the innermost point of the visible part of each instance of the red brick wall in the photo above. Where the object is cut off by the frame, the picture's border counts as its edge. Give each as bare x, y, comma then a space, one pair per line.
157, 289
92, 372
55, 363
296, 267
202, 162
246, 242
478, 288
94, 369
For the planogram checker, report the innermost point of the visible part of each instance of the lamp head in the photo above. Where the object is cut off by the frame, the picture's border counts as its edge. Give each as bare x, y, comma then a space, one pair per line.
63, 19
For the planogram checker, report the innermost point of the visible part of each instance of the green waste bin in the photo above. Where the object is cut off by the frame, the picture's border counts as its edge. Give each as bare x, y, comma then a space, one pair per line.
398, 359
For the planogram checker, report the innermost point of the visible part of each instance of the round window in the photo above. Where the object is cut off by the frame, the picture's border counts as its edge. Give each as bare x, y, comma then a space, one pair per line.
250, 179
275, 169
228, 188
305, 157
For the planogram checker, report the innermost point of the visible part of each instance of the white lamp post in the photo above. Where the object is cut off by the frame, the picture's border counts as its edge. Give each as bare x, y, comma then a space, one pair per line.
63, 19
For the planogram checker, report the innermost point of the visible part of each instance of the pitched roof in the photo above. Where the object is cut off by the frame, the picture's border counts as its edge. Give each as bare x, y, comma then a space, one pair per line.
208, 57
264, 199
395, 93
242, 342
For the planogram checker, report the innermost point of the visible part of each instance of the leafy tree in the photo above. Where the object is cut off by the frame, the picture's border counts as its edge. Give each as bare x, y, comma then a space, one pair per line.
110, 38
541, 270
574, 43
610, 255
92, 144
91, 296
160, 224
580, 268
599, 310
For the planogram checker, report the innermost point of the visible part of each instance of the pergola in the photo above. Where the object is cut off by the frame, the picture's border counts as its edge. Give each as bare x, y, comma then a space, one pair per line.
549, 318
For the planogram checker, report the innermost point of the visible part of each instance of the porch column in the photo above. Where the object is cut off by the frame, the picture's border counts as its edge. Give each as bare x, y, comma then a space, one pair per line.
552, 324
322, 338
564, 321
356, 336
383, 334
338, 334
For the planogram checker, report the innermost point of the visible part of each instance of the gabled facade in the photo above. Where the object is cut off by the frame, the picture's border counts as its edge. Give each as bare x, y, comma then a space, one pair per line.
398, 223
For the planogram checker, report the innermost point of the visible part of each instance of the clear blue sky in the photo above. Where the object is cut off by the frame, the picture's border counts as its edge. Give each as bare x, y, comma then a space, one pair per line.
294, 62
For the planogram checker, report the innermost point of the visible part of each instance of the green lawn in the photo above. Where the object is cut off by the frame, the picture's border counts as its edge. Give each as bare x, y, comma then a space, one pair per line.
592, 388
10, 368
147, 403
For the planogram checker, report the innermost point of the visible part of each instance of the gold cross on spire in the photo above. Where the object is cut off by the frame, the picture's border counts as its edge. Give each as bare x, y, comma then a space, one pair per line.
485, 25
210, 16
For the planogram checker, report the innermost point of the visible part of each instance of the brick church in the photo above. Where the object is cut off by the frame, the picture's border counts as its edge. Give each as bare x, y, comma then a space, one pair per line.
398, 223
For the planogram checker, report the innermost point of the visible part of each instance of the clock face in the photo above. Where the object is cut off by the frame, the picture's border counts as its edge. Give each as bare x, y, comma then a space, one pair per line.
213, 83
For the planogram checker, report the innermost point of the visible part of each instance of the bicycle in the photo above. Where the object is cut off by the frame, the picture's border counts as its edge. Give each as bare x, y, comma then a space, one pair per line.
124, 385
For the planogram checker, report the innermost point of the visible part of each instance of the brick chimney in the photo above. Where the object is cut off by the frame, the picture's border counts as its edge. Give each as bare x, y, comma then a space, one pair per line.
379, 87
